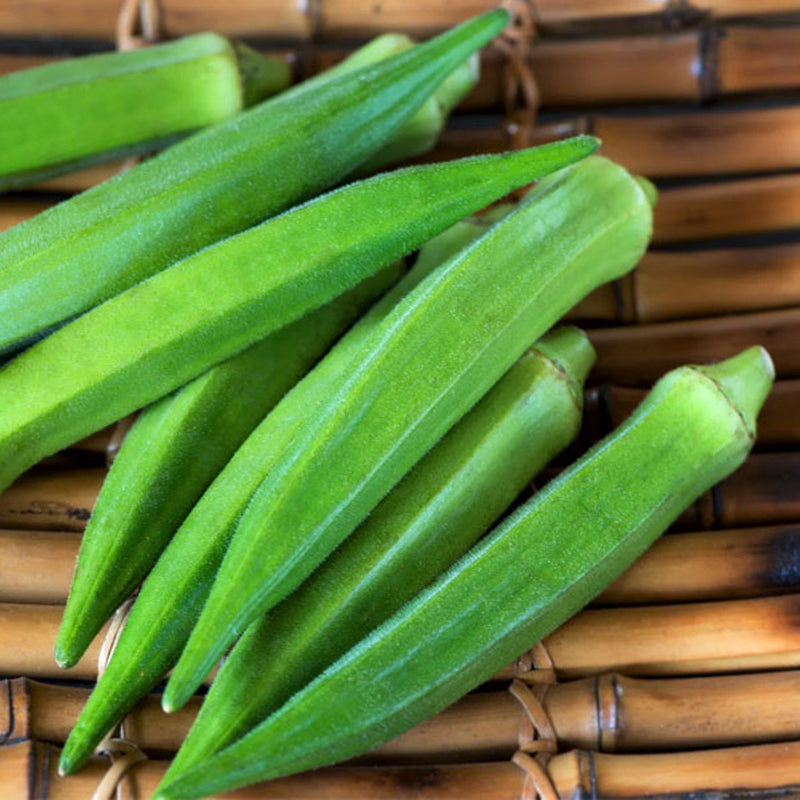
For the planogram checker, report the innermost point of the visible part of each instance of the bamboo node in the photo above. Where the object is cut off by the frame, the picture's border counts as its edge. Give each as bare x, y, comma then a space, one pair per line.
537, 783
535, 666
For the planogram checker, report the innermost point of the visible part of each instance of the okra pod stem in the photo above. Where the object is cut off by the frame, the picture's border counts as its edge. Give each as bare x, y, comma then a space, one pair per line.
534, 571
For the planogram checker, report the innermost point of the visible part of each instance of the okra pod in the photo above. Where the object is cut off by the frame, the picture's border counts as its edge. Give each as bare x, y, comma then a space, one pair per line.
82, 111
532, 573
175, 449
157, 630
158, 335
215, 183
428, 520
446, 344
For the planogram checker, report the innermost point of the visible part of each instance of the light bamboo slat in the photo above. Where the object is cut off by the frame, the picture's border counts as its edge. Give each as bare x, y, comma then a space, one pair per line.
344, 18
712, 565
30, 770
36, 566
610, 713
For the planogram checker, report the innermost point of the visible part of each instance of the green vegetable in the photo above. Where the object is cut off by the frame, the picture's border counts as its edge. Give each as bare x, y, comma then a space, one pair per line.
83, 111
428, 363
158, 335
214, 184
157, 630
537, 569
430, 518
175, 449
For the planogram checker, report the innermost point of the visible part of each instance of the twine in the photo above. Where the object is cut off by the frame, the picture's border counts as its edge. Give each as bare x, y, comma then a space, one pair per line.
123, 753
537, 742
535, 666
521, 97
138, 24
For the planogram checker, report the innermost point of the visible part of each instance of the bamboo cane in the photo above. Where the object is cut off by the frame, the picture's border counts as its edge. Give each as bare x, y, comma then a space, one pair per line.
640, 354
728, 208
96, 19
778, 422
36, 567
723, 281
685, 639
690, 638
609, 713
28, 769
713, 565
60, 500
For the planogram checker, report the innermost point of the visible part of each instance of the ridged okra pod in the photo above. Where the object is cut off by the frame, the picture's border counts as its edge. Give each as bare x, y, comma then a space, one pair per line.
158, 335
157, 630
215, 183
425, 523
533, 572
175, 449
87, 110
429, 361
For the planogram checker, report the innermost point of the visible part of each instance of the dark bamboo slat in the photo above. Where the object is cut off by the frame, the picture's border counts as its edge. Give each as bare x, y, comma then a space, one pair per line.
15, 210
640, 354
778, 422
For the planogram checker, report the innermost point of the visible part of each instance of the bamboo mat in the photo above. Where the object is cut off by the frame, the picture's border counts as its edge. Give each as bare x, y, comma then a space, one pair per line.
683, 678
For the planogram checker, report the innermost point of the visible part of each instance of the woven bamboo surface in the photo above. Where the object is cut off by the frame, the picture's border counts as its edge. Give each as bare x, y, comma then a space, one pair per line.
683, 678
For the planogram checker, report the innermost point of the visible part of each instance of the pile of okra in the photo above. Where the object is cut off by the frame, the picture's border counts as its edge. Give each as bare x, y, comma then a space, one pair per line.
345, 374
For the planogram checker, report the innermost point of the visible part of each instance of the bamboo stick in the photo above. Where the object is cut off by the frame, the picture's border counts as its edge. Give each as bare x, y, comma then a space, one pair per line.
640, 354
712, 565
29, 770
659, 145
36, 566
723, 281
610, 713
60, 500
691, 638
728, 208
686, 639
344, 18
778, 422
16, 210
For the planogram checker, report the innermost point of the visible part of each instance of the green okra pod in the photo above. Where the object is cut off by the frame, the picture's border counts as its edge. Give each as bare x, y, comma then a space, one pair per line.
81, 111
427, 521
215, 183
446, 344
175, 449
172, 596
158, 335
533, 572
